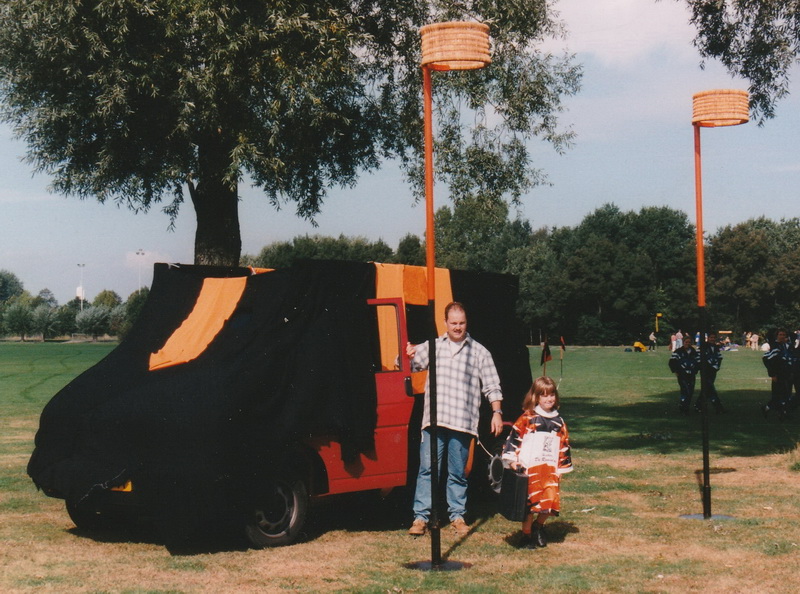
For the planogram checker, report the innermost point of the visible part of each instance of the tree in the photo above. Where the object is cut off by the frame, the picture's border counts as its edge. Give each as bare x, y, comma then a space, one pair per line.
477, 235
317, 247
93, 321
756, 39
410, 251
18, 319
10, 285
44, 321
45, 297
107, 298
137, 102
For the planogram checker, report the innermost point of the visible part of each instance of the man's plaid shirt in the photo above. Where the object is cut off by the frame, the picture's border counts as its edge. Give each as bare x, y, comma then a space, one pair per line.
463, 373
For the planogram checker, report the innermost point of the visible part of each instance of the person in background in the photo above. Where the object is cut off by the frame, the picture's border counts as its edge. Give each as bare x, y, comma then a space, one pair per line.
652, 345
684, 363
539, 443
780, 363
711, 357
465, 371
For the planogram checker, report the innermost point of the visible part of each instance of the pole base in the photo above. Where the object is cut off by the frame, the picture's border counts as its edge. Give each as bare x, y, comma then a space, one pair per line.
702, 517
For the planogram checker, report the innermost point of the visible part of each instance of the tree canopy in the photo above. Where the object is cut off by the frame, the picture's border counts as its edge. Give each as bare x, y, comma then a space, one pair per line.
142, 102
756, 39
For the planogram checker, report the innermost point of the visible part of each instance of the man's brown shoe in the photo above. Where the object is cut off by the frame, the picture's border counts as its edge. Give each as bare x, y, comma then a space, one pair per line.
460, 526
418, 528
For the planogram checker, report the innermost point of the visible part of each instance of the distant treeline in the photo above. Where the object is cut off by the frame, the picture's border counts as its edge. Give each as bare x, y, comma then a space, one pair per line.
603, 281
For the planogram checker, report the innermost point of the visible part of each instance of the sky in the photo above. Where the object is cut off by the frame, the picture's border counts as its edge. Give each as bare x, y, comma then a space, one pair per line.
634, 148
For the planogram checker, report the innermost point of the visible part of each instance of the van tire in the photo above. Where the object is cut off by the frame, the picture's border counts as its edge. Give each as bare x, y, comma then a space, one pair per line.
84, 517
279, 516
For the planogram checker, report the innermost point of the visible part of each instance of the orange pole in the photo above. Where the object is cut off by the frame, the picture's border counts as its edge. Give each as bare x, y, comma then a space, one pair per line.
698, 187
430, 242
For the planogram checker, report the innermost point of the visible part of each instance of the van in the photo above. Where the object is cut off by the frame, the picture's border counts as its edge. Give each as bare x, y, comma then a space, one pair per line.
240, 394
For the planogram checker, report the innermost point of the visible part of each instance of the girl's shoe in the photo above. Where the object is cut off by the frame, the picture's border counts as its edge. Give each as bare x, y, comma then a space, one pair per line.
538, 535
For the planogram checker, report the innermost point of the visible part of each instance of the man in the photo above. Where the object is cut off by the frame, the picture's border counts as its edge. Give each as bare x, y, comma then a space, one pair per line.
711, 357
465, 371
780, 363
652, 345
684, 363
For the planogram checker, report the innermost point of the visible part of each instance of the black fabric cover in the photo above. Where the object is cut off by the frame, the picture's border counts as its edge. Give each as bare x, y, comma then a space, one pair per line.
295, 357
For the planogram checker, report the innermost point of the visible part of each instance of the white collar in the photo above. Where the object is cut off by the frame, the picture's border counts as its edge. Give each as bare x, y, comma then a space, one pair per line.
543, 413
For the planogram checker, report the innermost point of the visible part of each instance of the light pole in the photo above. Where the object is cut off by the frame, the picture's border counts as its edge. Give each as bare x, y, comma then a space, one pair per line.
445, 46
81, 293
710, 109
139, 252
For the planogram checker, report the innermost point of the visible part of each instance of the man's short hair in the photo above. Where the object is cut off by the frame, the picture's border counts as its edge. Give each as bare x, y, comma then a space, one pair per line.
454, 305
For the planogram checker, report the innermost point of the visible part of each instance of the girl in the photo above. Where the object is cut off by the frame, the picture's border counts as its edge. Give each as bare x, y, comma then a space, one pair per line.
539, 443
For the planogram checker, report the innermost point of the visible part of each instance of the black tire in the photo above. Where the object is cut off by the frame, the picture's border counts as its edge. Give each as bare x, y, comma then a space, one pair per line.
84, 517
278, 518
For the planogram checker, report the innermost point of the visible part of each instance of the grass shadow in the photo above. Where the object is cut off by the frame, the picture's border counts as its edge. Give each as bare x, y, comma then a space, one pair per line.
655, 425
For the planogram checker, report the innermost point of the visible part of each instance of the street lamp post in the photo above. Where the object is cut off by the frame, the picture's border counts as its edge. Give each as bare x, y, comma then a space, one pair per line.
81, 293
445, 46
139, 252
710, 109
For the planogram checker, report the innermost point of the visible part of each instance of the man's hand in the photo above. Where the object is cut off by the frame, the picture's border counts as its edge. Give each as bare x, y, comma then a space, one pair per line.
411, 349
497, 424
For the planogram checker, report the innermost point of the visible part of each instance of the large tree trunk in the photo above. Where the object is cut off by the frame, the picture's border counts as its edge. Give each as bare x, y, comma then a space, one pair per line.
218, 240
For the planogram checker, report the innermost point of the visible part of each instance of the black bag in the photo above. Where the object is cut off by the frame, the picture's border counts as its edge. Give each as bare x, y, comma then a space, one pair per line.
514, 495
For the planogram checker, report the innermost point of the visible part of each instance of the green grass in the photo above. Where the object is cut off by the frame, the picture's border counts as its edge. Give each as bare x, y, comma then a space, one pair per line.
637, 471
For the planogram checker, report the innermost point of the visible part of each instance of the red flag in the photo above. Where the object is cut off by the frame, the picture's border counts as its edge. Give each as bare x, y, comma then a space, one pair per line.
546, 356
563, 344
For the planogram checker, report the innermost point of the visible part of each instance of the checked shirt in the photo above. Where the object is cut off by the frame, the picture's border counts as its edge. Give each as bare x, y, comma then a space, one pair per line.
463, 373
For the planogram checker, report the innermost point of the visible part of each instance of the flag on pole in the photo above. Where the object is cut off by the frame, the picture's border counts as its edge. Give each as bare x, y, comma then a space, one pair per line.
546, 356
563, 345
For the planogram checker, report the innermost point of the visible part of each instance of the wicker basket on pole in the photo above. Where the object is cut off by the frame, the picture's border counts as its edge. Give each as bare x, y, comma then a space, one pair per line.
455, 45
720, 107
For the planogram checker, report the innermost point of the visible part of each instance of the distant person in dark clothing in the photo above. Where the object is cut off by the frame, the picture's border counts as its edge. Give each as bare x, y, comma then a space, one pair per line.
684, 363
780, 363
711, 357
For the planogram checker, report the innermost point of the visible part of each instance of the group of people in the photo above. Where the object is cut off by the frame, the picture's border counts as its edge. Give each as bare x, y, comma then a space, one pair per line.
465, 373
751, 340
686, 361
781, 358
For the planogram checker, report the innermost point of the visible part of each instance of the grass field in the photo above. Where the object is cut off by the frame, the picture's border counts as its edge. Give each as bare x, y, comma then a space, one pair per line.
637, 473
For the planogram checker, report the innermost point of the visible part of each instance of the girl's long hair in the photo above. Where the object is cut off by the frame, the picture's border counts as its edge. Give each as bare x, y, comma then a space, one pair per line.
541, 385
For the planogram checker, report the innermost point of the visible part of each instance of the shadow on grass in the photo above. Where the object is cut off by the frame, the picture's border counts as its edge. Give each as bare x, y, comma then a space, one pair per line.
654, 425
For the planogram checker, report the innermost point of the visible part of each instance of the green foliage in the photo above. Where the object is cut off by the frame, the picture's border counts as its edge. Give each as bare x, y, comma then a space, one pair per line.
134, 101
758, 40
18, 319
316, 247
410, 251
752, 273
107, 298
45, 321
45, 297
93, 320
10, 285
66, 318
133, 308
477, 235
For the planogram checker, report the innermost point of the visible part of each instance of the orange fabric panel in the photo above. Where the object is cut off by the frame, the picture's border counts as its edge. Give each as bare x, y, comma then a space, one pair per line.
410, 283
215, 304
444, 295
388, 283
415, 285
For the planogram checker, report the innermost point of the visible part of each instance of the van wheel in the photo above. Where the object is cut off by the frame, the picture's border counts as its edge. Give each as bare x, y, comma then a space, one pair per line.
83, 516
278, 518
